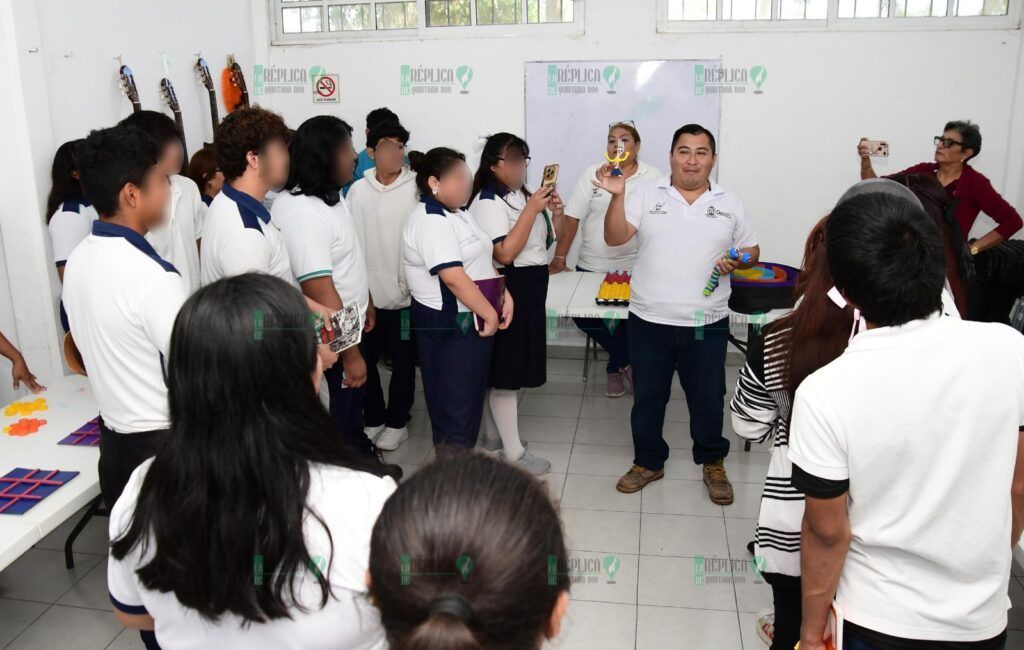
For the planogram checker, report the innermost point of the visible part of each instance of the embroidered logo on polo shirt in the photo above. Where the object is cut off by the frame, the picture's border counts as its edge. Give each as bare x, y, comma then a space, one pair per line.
658, 208
714, 213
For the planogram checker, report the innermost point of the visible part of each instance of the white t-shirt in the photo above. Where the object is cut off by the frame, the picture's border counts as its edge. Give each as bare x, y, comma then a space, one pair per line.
497, 210
678, 245
348, 502
175, 239
435, 239
322, 242
589, 204
69, 225
239, 237
927, 438
121, 299
380, 213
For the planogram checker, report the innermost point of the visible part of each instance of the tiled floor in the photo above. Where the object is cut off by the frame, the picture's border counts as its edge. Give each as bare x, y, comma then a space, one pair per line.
652, 600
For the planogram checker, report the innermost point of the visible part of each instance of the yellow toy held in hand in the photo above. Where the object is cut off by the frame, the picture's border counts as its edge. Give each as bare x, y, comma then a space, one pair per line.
621, 156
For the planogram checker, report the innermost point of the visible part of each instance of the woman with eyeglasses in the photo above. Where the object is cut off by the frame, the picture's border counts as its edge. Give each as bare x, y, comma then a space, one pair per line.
521, 224
585, 210
970, 191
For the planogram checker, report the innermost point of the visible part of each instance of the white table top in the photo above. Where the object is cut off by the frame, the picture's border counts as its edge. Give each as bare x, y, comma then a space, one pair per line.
561, 287
70, 404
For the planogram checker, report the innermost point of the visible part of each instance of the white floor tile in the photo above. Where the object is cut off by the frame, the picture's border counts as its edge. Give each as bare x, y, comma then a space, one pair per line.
69, 627
16, 616
602, 530
693, 629
612, 580
679, 497
597, 493
683, 536
91, 591
670, 582
39, 575
590, 625
541, 428
741, 533
563, 406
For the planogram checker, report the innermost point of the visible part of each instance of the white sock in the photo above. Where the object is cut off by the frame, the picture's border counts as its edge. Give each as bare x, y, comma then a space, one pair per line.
490, 433
504, 409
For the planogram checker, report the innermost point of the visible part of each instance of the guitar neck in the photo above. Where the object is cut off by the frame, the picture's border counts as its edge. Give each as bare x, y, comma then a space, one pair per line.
181, 130
214, 117
245, 98
136, 106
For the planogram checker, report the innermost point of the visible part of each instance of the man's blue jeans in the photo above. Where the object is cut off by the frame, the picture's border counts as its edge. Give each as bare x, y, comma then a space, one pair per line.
697, 354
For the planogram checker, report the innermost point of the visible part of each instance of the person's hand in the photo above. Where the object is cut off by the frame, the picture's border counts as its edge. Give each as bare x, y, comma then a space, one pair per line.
327, 356
864, 151
557, 265
355, 368
20, 373
727, 265
539, 200
604, 179
490, 323
556, 205
810, 644
371, 318
507, 307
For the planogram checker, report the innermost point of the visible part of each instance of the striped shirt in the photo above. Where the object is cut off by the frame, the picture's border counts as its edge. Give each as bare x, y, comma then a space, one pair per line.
760, 410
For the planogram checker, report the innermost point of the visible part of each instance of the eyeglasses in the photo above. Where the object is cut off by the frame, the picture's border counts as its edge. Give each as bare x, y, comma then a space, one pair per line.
516, 161
628, 123
946, 142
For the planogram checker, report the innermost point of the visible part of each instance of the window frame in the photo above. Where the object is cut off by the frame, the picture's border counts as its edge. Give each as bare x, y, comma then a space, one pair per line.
421, 32
832, 21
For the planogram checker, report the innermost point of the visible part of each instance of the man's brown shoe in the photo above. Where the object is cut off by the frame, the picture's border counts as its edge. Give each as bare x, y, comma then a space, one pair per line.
637, 479
719, 487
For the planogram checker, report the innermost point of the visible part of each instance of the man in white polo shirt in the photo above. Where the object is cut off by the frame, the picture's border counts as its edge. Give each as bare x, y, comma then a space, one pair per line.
177, 238
909, 449
238, 236
122, 298
685, 225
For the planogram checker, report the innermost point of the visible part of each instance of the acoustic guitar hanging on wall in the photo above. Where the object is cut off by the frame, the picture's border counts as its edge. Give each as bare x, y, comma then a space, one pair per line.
232, 86
127, 83
205, 78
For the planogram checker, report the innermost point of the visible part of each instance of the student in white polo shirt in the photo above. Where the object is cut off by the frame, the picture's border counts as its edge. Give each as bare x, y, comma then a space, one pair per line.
122, 299
910, 450
326, 257
522, 226
69, 213
685, 225
586, 208
177, 239
251, 526
381, 202
444, 252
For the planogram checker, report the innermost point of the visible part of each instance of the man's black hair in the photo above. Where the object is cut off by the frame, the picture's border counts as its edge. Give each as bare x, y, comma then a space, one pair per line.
379, 115
157, 125
111, 158
389, 129
693, 129
885, 254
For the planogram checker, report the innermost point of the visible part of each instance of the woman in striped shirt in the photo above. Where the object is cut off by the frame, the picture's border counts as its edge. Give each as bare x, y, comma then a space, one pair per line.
761, 407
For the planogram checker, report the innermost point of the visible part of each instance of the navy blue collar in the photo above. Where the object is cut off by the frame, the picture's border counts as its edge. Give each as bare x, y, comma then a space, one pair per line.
102, 228
494, 190
75, 204
207, 199
252, 211
433, 205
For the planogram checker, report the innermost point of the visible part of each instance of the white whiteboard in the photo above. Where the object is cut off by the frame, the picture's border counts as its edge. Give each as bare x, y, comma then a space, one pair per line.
569, 105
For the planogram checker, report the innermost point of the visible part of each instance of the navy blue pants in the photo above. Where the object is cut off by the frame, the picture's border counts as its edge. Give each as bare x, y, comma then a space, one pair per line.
697, 354
347, 409
392, 333
454, 363
610, 334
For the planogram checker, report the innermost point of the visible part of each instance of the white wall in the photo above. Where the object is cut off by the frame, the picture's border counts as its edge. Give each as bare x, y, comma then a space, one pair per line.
57, 59
789, 152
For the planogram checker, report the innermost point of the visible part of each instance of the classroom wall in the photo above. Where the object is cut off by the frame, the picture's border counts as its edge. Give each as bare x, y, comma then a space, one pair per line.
58, 59
789, 152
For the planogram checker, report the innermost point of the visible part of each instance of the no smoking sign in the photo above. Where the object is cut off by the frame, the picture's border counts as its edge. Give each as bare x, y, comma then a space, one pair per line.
325, 89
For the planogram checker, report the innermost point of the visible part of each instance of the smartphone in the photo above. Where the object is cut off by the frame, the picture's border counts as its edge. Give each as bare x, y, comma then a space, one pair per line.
550, 176
877, 148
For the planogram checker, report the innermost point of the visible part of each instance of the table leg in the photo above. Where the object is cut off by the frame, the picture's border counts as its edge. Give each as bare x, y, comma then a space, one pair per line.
92, 510
586, 357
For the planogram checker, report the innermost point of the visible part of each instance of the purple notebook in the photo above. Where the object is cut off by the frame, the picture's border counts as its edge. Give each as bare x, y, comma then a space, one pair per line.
494, 290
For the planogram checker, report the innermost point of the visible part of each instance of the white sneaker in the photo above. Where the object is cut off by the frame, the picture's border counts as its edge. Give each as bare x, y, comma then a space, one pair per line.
373, 432
766, 626
491, 447
532, 464
391, 438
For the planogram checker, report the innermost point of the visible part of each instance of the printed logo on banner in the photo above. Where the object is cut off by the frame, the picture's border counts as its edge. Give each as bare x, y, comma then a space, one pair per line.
720, 80
277, 80
582, 79
424, 80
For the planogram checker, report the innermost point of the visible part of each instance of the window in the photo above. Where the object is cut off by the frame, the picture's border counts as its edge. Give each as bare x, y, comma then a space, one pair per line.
304, 21
701, 15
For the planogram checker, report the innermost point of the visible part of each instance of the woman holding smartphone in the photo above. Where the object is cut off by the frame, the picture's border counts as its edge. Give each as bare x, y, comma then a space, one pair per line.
445, 252
521, 225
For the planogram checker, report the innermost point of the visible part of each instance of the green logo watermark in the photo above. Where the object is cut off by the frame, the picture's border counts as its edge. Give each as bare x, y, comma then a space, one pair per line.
723, 570
721, 80
425, 80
